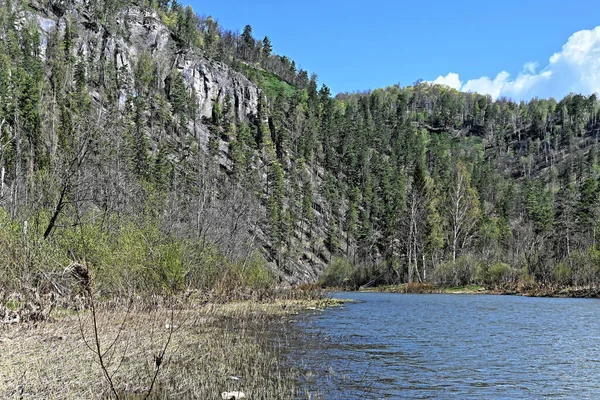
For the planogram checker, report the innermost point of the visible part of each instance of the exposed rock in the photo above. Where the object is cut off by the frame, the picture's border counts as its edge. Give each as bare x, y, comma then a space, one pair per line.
233, 395
122, 39
135, 31
215, 81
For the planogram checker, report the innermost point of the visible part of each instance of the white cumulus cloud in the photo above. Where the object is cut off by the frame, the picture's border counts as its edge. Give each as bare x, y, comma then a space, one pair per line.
530, 67
576, 68
452, 80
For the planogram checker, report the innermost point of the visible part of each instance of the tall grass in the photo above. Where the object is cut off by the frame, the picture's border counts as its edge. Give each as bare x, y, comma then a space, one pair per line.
128, 256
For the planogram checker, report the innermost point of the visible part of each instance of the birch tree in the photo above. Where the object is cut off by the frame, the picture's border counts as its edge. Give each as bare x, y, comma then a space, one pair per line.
464, 212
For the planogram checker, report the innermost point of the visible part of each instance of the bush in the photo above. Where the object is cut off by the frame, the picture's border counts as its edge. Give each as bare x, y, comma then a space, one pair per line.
126, 256
584, 266
25, 257
239, 279
255, 275
459, 273
563, 275
498, 274
338, 273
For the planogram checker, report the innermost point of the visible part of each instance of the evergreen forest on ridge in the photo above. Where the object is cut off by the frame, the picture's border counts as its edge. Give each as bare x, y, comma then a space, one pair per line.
168, 152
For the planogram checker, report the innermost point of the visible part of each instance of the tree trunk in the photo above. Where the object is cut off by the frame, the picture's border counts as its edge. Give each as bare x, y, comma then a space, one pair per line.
57, 210
2, 172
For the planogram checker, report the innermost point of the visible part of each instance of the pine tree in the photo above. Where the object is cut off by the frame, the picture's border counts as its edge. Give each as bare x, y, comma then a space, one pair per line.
267, 48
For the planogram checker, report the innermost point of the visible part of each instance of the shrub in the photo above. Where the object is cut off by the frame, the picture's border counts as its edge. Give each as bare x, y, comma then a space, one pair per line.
499, 274
26, 259
126, 255
584, 266
338, 273
459, 273
563, 275
255, 275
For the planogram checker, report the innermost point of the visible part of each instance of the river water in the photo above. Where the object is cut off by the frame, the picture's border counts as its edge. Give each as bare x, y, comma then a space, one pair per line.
392, 346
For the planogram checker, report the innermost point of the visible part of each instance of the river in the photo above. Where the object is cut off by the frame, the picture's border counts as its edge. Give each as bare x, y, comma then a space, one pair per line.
393, 346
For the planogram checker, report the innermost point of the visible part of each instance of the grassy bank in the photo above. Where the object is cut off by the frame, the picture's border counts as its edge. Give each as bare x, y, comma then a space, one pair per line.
519, 290
210, 348
424, 288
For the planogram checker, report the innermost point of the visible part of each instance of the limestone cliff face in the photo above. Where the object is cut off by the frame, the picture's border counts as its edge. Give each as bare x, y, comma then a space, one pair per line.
217, 81
121, 41
133, 31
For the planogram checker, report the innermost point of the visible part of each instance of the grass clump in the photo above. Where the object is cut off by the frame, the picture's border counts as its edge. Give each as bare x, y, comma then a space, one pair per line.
214, 347
274, 86
270, 83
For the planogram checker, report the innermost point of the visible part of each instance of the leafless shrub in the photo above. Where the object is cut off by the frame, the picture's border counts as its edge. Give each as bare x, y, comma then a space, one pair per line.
105, 353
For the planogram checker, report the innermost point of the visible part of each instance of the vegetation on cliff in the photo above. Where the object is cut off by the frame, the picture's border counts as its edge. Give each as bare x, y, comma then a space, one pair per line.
120, 148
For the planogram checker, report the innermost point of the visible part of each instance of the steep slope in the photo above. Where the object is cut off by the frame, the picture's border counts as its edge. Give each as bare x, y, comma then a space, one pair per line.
118, 71
121, 114
133, 30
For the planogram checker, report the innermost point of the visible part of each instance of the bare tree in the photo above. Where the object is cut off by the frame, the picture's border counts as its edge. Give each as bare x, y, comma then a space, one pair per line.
463, 210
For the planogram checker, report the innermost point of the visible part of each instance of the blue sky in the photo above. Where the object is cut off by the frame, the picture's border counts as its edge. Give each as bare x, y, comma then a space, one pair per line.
502, 48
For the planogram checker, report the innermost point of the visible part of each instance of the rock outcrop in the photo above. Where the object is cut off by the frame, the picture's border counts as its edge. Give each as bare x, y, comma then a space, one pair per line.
115, 45
134, 31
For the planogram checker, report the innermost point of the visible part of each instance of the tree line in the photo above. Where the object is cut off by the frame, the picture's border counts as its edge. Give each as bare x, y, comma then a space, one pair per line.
404, 184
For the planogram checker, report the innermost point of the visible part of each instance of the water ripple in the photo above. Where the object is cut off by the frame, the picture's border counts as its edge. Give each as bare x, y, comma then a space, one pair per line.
438, 346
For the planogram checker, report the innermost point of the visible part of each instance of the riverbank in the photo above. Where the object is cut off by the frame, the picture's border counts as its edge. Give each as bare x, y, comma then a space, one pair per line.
515, 290
422, 288
200, 349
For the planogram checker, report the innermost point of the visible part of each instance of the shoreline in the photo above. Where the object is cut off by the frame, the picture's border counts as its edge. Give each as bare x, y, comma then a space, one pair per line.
538, 291
211, 348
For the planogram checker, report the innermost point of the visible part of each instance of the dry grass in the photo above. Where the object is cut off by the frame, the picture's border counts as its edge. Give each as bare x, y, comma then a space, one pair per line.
407, 288
214, 348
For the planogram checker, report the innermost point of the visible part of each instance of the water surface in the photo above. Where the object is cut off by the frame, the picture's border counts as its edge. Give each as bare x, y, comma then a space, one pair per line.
392, 346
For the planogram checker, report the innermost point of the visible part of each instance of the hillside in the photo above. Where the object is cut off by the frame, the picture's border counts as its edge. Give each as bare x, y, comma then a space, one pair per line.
167, 152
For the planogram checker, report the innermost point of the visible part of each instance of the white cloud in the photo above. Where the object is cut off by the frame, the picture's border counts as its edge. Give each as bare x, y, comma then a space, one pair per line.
530, 67
576, 68
451, 80
485, 85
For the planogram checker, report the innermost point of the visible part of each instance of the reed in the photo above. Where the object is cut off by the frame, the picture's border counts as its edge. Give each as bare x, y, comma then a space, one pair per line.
212, 347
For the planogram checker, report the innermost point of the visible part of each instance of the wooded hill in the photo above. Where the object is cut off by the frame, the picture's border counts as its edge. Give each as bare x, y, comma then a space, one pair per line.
167, 152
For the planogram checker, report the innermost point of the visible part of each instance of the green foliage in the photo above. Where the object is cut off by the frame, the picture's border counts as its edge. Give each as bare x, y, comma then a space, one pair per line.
144, 73
332, 241
338, 273
580, 268
396, 179
178, 95
169, 19
267, 48
274, 86
254, 274
276, 197
539, 206
497, 275
25, 258
186, 27
563, 275
458, 273
137, 258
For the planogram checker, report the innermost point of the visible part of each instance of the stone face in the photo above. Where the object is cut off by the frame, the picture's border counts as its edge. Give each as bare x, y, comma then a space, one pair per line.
134, 31
215, 81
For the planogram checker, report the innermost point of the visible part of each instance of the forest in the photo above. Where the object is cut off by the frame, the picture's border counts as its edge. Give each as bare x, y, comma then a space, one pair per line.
107, 158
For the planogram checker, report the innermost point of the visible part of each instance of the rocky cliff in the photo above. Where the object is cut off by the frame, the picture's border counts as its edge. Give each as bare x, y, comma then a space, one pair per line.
116, 43
134, 30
